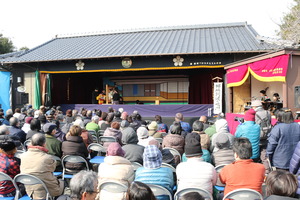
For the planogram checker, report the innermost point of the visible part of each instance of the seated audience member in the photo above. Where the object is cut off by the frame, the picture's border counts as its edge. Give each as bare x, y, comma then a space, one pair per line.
88, 118
152, 172
221, 128
281, 185
18, 114
139, 191
109, 119
203, 119
249, 129
15, 130
124, 116
9, 114
133, 151
224, 154
167, 156
117, 117
35, 127
61, 136
9, 165
195, 172
74, 145
4, 130
125, 129
143, 136
152, 127
283, 139
243, 173
86, 136
52, 144
204, 138
115, 166
93, 125
184, 125
295, 164
37, 162
135, 121
161, 126
191, 196
114, 131
26, 126
3, 120
102, 119
83, 186
68, 121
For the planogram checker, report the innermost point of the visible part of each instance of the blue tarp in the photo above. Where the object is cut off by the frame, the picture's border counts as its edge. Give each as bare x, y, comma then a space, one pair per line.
4, 90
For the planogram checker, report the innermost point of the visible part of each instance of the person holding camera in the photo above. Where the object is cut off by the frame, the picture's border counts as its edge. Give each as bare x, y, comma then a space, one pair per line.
249, 129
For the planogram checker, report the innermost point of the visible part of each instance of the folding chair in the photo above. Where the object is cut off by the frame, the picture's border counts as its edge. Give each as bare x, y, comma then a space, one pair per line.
26, 144
106, 139
174, 152
168, 166
19, 153
57, 173
243, 194
220, 187
159, 190
5, 177
28, 179
92, 132
67, 173
100, 133
114, 187
95, 139
136, 165
98, 148
206, 195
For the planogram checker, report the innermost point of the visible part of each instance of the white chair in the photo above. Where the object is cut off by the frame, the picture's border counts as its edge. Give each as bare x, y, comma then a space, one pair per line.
5, 177
103, 139
28, 179
57, 173
113, 189
159, 190
136, 165
67, 173
204, 193
98, 148
168, 166
19, 153
243, 194
220, 187
174, 152
26, 144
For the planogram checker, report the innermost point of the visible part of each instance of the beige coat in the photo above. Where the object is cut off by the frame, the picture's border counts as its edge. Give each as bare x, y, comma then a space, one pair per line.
40, 164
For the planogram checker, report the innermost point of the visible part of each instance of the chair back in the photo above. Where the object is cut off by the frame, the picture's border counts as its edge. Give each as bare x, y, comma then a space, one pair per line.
136, 165
28, 179
92, 132
5, 177
220, 167
174, 152
243, 194
96, 147
72, 159
103, 139
160, 140
19, 153
113, 187
100, 133
159, 190
95, 139
204, 193
168, 166
26, 144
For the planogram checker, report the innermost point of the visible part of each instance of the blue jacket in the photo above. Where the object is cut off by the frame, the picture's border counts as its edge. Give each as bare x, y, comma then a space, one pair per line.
282, 141
162, 176
251, 131
16, 132
295, 164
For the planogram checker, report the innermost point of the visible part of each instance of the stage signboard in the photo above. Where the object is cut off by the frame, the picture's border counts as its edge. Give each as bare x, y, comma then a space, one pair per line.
218, 97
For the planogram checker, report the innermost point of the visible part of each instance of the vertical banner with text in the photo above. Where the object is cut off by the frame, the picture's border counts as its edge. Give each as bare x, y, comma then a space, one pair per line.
218, 97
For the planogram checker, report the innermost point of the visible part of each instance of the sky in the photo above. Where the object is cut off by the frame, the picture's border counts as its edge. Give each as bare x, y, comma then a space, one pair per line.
33, 22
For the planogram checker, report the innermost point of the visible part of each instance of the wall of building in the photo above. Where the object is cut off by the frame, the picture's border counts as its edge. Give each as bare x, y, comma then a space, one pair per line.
293, 80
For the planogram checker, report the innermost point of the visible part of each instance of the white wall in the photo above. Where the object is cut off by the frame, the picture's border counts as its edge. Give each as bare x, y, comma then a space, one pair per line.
29, 80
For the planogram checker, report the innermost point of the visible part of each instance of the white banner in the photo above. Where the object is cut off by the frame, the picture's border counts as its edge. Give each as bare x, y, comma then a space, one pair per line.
218, 97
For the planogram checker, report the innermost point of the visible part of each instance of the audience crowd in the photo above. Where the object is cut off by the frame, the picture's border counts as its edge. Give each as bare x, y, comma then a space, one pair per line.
184, 155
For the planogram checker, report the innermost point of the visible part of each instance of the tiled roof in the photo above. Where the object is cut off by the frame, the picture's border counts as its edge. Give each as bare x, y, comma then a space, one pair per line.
196, 39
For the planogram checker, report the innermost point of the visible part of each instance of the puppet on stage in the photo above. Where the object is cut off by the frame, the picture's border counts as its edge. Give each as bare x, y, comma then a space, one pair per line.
101, 97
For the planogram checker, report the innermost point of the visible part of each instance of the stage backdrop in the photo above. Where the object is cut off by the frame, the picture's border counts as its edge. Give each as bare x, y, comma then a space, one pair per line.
192, 110
4, 92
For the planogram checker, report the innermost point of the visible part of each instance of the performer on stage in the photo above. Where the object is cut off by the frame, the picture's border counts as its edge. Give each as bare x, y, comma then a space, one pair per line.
264, 96
276, 98
116, 97
94, 96
101, 97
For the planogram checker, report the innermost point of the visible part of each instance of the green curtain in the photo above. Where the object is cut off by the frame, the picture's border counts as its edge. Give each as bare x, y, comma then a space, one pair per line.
48, 100
37, 91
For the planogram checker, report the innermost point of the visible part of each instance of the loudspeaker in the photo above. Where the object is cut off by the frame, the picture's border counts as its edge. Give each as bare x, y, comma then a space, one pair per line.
24, 98
297, 97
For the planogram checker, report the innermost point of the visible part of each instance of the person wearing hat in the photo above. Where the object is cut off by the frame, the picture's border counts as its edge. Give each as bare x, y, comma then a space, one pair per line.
152, 127
26, 126
224, 154
243, 173
8, 165
249, 129
52, 144
143, 136
195, 173
152, 172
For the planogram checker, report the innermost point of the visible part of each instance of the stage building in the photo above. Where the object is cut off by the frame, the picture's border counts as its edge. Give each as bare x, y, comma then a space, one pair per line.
174, 65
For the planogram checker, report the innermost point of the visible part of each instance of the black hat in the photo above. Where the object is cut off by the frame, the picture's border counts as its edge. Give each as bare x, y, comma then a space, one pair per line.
49, 127
7, 143
192, 145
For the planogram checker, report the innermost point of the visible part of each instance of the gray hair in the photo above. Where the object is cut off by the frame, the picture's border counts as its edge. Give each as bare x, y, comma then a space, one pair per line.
82, 182
38, 139
95, 119
179, 116
3, 130
13, 121
89, 113
9, 112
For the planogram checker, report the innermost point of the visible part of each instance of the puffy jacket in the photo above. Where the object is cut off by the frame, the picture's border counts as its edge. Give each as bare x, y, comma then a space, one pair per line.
282, 141
162, 176
251, 131
222, 156
295, 164
174, 141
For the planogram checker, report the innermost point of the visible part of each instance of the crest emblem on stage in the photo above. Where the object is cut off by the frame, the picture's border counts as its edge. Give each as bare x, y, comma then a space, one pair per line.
178, 61
126, 62
79, 65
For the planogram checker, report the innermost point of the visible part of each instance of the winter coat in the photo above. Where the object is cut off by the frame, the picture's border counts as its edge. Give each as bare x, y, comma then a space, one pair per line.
17, 132
295, 164
213, 147
53, 145
114, 133
205, 140
133, 151
282, 141
40, 164
276, 197
222, 156
251, 131
174, 141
